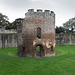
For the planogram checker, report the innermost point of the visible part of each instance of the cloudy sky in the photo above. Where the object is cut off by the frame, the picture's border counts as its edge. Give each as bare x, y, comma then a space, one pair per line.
64, 9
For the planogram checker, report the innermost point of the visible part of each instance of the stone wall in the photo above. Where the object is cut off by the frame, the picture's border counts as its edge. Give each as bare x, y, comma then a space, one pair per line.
28, 31
8, 38
65, 39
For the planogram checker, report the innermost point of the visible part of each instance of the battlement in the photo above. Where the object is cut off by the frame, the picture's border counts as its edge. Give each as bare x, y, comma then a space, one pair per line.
31, 12
18, 20
47, 11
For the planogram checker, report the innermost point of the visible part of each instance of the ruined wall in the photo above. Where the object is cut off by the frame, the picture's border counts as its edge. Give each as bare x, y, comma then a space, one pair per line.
8, 38
65, 39
19, 34
44, 20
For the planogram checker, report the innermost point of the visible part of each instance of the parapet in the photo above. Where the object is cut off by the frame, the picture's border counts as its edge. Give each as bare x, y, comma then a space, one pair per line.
31, 13
18, 20
39, 10
47, 11
3, 31
31, 10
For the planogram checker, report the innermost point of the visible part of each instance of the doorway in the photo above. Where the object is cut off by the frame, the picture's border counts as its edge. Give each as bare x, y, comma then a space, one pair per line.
39, 50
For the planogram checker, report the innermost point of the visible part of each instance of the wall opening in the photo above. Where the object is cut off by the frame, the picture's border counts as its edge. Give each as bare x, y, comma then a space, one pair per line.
51, 48
39, 32
39, 50
24, 49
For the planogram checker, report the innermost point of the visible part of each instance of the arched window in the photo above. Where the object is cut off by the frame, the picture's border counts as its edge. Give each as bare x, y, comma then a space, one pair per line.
51, 48
39, 32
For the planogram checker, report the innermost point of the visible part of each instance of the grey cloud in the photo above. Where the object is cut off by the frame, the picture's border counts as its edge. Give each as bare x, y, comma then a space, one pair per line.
62, 8
59, 5
24, 4
66, 5
17, 3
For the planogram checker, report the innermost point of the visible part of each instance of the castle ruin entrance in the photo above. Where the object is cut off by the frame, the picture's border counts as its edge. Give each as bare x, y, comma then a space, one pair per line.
39, 50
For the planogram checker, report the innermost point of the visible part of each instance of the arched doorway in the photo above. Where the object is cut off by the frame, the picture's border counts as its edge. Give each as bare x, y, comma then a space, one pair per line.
39, 50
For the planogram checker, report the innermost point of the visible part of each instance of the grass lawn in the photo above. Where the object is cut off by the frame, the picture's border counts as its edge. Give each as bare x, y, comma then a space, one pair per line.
63, 63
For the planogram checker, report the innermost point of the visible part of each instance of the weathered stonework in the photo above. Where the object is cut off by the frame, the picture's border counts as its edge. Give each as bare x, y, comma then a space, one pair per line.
65, 39
8, 38
27, 33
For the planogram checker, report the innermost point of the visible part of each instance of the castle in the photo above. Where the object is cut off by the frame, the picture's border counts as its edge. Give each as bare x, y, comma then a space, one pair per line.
36, 30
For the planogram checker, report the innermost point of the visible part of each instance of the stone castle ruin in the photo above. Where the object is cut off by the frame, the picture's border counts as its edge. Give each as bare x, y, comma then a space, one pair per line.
36, 30
8, 38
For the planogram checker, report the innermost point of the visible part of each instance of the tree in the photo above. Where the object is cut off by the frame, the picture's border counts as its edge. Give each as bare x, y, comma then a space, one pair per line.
11, 26
16, 22
3, 21
70, 25
5, 24
59, 29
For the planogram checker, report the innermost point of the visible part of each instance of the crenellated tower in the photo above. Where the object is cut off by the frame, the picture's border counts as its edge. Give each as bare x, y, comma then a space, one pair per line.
37, 30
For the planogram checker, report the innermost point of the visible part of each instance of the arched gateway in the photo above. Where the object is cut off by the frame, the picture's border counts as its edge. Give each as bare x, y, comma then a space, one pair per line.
39, 50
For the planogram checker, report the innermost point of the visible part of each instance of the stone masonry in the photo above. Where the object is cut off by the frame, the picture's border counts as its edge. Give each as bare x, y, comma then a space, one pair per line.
8, 38
65, 39
36, 29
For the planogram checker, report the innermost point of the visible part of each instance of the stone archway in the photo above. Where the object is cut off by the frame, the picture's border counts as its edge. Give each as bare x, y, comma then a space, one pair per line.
39, 50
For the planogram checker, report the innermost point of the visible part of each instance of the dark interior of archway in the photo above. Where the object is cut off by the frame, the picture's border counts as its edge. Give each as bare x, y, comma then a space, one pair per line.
39, 50
51, 48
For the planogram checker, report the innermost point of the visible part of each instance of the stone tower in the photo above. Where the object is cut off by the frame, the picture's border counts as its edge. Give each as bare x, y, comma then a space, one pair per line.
37, 29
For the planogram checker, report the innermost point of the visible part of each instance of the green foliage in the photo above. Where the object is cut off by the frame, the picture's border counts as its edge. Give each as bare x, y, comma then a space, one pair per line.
4, 23
59, 29
38, 48
10, 26
63, 63
3, 20
70, 25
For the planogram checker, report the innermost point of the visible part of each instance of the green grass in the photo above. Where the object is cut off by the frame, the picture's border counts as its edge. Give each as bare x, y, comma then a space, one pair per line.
63, 63
38, 48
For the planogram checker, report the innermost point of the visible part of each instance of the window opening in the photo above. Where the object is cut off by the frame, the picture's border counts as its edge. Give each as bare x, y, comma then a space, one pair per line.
39, 33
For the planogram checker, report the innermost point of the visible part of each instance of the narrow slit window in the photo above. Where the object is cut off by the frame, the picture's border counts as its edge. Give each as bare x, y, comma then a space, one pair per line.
39, 33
